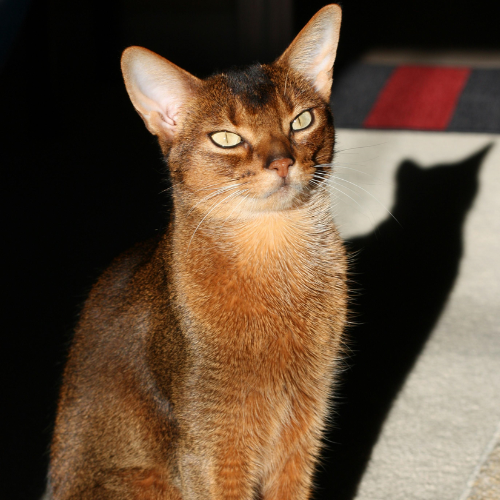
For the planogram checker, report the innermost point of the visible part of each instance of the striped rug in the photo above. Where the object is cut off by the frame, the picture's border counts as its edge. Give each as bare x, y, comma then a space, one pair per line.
418, 97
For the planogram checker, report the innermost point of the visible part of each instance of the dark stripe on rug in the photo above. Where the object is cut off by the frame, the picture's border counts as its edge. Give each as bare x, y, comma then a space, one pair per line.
357, 88
436, 98
478, 108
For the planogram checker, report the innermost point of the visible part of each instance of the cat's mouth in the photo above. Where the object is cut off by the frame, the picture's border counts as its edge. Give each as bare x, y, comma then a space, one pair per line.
283, 189
270, 193
284, 184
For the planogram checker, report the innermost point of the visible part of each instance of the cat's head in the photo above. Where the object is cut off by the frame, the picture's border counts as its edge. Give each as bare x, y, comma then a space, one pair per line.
250, 140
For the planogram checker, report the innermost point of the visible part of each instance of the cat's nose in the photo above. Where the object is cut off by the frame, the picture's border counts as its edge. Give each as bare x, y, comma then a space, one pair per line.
281, 166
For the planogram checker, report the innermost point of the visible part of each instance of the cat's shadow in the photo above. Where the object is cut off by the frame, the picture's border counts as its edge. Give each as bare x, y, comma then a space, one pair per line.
402, 276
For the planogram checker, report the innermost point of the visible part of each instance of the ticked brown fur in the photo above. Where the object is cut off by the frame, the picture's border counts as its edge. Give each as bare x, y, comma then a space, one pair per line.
203, 362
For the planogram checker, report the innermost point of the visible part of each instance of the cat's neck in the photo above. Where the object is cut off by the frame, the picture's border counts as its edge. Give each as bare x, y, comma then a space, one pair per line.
254, 238
277, 265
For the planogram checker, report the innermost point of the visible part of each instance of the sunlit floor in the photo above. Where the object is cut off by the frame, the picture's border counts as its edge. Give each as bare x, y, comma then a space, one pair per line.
440, 437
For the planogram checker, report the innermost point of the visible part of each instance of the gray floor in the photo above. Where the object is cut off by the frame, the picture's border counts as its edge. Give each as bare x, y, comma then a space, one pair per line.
441, 439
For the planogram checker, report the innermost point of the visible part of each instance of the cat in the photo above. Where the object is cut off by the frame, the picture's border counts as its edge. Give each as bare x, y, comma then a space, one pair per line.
203, 360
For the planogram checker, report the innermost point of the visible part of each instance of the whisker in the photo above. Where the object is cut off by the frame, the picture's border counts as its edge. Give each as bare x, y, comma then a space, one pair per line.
358, 163
350, 197
212, 195
369, 194
206, 215
360, 147
318, 183
211, 185
335, 167
171, 187
197, 190
324, 174
321, 176
345, 187
237, 205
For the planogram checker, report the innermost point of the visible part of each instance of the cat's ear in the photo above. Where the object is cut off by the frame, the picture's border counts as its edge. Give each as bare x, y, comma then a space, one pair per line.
158, 89
313, 51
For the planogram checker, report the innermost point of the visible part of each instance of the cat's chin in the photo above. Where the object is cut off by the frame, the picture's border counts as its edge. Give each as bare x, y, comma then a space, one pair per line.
284, 191
286, 197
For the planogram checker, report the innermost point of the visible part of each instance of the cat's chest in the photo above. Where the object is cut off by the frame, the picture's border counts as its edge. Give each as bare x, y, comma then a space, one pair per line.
262, 299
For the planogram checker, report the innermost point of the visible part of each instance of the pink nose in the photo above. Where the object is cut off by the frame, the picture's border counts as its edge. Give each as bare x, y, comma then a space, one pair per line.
281, 166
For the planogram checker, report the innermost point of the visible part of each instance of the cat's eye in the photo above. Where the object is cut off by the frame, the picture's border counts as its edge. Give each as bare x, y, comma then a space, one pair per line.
226, 139
302, 121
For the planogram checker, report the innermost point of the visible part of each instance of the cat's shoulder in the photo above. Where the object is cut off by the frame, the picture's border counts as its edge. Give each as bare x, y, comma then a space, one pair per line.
126, 266
132, 274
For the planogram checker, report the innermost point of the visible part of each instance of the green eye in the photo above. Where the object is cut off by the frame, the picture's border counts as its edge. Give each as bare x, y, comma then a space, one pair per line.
302, 121
226, 139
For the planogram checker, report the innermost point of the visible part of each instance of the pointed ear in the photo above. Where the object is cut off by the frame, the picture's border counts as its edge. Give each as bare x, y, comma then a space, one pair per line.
158, 89
313, 51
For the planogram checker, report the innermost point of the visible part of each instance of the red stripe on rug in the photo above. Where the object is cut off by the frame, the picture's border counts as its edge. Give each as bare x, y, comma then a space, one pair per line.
418, 97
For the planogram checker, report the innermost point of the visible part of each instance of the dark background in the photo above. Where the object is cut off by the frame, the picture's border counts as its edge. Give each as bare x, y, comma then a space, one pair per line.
81, 177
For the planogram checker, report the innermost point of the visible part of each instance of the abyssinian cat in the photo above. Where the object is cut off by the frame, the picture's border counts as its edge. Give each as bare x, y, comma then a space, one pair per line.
203, 361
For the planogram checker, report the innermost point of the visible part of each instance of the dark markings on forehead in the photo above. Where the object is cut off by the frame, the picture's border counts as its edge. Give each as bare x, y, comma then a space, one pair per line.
231, 113
251, 85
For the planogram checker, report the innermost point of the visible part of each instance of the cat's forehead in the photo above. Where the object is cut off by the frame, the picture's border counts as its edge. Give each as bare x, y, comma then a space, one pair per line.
255, 92
253, 86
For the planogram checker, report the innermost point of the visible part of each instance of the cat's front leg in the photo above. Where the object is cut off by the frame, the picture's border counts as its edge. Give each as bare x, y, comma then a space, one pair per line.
293, 480
289, 472
221, 471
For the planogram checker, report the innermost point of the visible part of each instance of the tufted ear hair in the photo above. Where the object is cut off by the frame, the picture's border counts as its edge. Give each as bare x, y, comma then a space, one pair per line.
313, 51
158, 89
